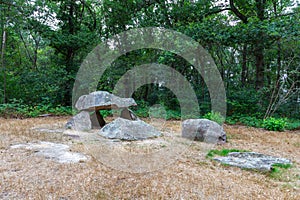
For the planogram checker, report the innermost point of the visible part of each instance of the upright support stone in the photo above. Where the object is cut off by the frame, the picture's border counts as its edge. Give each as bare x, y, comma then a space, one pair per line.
128, 114
97, 120
100, 118
80, 122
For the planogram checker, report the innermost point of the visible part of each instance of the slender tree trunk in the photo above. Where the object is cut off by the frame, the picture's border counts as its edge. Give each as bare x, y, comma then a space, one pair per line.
259, 64
278, 60
3, 64
35, 53
67, 99
259, 52
278, 48
244, 65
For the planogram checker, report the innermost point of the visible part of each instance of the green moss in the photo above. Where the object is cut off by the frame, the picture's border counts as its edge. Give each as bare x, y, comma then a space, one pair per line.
223, 152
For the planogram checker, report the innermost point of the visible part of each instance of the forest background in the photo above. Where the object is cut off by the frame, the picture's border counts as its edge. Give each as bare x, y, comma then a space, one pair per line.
255, 45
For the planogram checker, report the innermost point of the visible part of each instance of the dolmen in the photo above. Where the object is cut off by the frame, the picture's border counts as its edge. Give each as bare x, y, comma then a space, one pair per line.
126, 127
93, 103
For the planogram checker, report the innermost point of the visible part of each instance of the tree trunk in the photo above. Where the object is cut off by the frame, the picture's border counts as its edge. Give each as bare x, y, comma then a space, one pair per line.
278, 60
259, 64
244, 65
67, 99
278, 48
3, 64
259, 52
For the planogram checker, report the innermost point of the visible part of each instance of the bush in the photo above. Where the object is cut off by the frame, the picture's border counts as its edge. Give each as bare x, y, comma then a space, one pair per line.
251, 121
173, 114
274, 124
293, 124
215, 116
17, 109
243, 101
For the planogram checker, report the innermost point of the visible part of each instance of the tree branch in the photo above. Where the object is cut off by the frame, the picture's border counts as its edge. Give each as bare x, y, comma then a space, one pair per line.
237, 12
216, 11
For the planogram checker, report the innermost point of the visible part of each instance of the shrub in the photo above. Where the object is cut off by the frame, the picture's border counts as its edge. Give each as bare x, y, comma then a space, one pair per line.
106, 113
17, 109
173, 114
215, 116
274, 124
251, 121
293, 124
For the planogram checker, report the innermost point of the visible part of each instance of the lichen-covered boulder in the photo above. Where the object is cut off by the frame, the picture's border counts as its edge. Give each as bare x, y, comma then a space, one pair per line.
203, 130
252, 160
102, 100
124, 129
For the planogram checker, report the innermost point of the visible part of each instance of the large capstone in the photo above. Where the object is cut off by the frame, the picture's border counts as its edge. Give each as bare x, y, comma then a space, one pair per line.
124, 129
203, 130
102, 100
252, 160
80, 122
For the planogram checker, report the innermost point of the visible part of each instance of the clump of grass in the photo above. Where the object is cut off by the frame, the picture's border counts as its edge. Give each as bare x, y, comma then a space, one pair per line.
296, 144
223, 152
279, 170
281, 165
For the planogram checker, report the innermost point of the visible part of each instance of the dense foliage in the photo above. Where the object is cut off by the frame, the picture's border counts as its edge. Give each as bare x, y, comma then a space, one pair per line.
255, 45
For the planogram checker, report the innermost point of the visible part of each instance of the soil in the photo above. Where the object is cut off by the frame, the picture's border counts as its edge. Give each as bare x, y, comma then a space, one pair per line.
167, 167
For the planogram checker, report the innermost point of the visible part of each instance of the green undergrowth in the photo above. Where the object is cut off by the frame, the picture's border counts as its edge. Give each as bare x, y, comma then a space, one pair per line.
17, 109
272, 123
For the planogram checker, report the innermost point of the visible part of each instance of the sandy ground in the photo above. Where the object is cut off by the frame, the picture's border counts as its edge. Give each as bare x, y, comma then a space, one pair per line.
179, 170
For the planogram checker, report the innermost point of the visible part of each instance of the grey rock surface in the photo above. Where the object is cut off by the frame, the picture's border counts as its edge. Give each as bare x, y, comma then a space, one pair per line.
124, 129
102, 100
128, 114
203, 130
80, 122
252, 160
54, 151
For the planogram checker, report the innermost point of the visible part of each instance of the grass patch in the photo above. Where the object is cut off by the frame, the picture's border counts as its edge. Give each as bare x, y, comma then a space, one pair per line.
223, 152
280, 172
283, 166
297, 144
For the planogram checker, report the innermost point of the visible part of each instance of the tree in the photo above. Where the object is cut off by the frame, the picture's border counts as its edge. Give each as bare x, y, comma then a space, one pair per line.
75, 36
